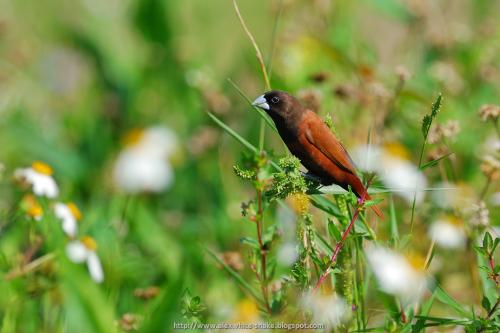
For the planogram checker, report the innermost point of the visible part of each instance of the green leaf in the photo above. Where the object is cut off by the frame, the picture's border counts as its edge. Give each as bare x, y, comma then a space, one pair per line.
231, 132
333, 231
393, 221
263, 115
437, 321
487, 242
373, 202
251, 242
480, 250
434, 162
485, 302
495, 244
324, 245
238, 137
443, 297
325, 205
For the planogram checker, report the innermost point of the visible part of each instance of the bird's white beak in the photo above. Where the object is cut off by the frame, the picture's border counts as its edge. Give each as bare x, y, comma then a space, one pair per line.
261, 102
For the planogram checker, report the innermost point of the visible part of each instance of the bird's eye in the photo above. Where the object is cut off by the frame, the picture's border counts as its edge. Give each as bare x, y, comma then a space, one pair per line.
275, 99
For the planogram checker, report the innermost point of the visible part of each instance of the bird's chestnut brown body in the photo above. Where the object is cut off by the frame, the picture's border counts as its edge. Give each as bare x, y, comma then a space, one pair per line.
312, 142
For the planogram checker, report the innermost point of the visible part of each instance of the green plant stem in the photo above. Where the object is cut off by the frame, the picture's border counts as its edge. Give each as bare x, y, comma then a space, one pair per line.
273, 39
429, 256
32, 266
493, 309
360, 288
415, 194
260, 59
340, 244
262, 134
263, 251
485, 188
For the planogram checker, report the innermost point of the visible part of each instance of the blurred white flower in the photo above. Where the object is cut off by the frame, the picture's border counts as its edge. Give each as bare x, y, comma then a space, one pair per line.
453, 195
448, 233
287, 253
69, 214
84, 250
495, 199
396, 274
39, 176
490, 146
331, 310
391, 163
135, 172
143, 165
156, 141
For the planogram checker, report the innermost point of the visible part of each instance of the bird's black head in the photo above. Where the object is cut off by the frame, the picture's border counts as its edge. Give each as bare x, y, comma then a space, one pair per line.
278, 104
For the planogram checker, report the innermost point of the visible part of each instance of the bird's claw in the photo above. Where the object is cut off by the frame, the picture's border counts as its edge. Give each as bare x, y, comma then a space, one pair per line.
310, 176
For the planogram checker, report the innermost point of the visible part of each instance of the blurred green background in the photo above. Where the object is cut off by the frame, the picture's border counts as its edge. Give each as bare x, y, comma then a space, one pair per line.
77, 76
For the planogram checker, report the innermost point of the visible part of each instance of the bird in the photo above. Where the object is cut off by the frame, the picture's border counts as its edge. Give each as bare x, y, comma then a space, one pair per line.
310, 140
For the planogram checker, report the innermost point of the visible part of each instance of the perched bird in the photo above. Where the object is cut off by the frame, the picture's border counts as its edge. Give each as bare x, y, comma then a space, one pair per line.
312, 142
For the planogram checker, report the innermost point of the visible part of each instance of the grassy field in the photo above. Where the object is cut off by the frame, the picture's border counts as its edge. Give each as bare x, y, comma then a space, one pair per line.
141, 191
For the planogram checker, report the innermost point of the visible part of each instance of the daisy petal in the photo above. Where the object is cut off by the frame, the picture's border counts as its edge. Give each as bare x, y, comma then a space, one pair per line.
77, 252
95, 267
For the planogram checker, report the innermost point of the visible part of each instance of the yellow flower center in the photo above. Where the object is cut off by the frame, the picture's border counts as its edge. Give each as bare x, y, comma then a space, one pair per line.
299, 203
42, 168
453, 221
32, 207
133, 137
89, 243
416, 261
397, 149
77, 214
247, 311
35, 211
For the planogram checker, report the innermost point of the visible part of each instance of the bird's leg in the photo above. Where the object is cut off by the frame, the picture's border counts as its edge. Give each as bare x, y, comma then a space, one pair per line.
311, 176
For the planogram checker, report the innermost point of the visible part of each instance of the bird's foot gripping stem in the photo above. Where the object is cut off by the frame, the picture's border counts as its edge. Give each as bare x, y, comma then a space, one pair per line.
311, 176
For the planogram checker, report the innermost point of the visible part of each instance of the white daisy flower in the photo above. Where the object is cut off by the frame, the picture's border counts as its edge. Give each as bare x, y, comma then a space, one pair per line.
158, 141
143, 165
396, 172
396, 274
39, 176
69, 214
84, 250
447, 232
137, 172
330, 310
